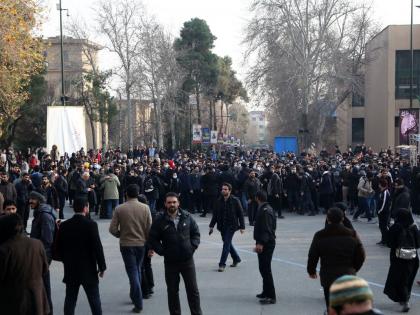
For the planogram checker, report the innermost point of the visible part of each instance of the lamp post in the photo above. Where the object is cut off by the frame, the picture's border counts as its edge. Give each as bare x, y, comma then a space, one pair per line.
59, 8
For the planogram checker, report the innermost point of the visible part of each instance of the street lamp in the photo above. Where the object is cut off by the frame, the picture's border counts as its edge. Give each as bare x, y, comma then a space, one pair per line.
412, 54
59, 8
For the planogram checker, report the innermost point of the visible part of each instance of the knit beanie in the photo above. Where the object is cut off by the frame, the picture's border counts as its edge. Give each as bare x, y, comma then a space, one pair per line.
349, 289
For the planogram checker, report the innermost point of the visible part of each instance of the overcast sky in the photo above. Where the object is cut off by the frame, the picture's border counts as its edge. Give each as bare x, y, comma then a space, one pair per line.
226, 18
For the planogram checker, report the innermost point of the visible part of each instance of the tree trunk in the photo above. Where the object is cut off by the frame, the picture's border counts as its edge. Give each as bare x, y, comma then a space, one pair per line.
215, 116
221, 116
172, 119
211, 113
130, 117
92, 129
104, 135
227, 118
197, 99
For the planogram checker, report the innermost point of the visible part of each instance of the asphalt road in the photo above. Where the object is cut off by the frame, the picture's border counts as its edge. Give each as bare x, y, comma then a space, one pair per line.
233, 291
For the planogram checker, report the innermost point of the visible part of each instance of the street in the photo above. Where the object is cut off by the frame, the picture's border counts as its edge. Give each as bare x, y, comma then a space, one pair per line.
233, 291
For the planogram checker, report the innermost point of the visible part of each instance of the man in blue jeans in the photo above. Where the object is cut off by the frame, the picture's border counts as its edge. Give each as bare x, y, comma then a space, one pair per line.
228, 215
131, 223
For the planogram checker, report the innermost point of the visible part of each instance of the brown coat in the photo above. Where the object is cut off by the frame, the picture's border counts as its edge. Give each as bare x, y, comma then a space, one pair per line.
22, 264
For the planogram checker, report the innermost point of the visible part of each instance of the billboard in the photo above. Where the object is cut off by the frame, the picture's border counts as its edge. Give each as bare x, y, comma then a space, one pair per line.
409, 124
196, 134
206, 135
66, 128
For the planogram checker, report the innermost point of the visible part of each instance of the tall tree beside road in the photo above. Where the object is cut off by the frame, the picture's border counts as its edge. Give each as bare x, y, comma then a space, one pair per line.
21, 58
120, 22
195, 57
309, 57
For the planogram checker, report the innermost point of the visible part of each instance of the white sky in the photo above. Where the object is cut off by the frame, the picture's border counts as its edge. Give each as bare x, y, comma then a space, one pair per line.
226, 18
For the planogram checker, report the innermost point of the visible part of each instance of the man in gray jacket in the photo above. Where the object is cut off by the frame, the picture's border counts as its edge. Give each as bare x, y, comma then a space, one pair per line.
131, 223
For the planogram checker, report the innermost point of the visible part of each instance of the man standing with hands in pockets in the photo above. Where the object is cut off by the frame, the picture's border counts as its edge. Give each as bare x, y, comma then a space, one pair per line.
228, 215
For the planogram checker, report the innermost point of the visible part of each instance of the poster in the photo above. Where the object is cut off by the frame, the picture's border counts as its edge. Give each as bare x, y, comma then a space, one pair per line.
196, 134
213, 137
220, 138
409, 124
206, 135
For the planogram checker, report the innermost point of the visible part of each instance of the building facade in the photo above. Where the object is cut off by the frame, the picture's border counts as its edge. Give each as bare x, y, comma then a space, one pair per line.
375, 118
257, 128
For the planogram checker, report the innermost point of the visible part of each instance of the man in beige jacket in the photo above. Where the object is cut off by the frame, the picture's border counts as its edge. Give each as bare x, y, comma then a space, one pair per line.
131, 223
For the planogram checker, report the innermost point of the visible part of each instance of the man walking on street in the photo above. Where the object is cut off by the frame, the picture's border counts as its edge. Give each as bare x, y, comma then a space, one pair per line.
131, 223
339, 249
80, 248
229, 217
265, 242
175, 235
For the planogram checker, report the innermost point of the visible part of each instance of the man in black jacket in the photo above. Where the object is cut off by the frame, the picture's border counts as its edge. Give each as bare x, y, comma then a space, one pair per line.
275, 190
265, 242
229, 217
340, 250
175, 236
80, 248
209, 190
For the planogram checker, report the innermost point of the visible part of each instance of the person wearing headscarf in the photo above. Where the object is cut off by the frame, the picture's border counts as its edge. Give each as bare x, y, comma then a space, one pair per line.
403, 239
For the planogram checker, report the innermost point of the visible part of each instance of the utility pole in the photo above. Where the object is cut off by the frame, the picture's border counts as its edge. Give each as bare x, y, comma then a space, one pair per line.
63, 97
411, 56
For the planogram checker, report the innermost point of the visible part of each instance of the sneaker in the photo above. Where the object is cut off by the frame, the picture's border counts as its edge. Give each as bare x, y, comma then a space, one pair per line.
267, 300
221, 269
261, 296
405, 307
136, 310
235, 263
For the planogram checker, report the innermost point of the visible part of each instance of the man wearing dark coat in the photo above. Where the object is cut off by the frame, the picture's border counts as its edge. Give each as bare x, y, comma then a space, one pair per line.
340, 250
80, 248
23, 264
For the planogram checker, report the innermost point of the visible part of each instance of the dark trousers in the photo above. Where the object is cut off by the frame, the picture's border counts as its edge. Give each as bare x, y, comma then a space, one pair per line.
92, 293
172, 277
209, 203
196, 201
23, 211
147, 281
327, 296
293, 200
275, 203
264, 264
364, 207
133, 260
307, 205
62, 201
384, 218
252, 210
227, 236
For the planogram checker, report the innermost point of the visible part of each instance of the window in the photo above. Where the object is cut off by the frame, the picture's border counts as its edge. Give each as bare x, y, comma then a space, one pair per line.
403, 74
358, 130
357, 100
65, 56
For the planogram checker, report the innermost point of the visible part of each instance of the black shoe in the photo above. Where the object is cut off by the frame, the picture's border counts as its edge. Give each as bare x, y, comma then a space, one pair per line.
147, 296
405, 307
261, 296
280, 217
203, 215
381, 243
235, 263
136, 310
311, 214
268, 301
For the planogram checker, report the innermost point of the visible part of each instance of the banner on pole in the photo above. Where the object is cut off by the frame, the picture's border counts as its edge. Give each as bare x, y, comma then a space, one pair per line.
213, 137
196, 132
206, 135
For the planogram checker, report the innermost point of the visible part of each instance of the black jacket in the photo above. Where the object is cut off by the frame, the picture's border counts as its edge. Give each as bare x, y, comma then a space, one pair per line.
265, 225
401, 200
43, 227
235, 210
275, 185
175, 244
23, 189
209, 184
80, 247
340, 250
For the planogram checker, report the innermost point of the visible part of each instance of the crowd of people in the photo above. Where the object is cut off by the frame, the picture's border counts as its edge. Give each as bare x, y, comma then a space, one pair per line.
150, 195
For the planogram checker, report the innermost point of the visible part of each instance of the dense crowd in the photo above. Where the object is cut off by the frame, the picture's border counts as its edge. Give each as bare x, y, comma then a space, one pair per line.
364, 184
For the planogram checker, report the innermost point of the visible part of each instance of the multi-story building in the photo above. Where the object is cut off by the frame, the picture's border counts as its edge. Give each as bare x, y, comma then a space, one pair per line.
375, 118
257, 128
79, 57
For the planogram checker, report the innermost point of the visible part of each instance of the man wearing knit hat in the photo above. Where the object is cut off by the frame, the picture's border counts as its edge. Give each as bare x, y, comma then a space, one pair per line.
351, 295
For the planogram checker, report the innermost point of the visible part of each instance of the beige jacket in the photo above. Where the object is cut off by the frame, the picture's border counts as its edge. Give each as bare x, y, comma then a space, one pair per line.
131, 223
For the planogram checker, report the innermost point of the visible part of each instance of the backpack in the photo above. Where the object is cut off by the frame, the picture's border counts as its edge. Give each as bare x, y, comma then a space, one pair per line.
148, 185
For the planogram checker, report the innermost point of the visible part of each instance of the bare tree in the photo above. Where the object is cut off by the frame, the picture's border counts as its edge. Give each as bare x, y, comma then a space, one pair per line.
310, 58
120, 22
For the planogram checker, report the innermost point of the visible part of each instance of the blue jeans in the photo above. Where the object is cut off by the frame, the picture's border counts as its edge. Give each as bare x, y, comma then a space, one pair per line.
228, 248
92, 293
244, 202
133, 259
152, 205
110, 205
364, 207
